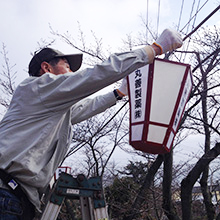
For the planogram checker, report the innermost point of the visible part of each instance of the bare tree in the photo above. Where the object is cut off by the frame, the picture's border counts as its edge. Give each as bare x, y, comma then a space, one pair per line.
7, 80
99, 136
97, 139
206, 92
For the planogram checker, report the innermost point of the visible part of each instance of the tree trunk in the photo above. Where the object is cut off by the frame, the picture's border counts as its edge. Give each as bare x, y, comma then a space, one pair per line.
168, 206
204, 180
188, 182
147, 183
207, 195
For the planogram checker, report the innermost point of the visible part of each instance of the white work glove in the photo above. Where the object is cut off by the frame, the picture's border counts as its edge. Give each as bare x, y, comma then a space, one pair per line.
169, 40
123, 89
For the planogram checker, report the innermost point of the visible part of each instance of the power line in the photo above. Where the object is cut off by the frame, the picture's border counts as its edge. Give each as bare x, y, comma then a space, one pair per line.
197, 10
188, 29
181, 11
158, 16
190, 17
147, 24
196, 28
147, 20
201, 23
194, 16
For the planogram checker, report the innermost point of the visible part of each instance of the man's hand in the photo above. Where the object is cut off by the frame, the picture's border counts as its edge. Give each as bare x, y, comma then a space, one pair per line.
123, 89
169, 40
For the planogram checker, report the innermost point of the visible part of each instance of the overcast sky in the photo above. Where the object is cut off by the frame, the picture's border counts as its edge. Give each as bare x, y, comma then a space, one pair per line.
24, 23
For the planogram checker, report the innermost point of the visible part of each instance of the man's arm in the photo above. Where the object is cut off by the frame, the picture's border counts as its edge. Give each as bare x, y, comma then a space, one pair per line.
89, 107
63, 91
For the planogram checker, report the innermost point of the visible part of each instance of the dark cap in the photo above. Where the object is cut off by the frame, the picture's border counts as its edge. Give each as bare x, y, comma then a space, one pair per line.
47, 54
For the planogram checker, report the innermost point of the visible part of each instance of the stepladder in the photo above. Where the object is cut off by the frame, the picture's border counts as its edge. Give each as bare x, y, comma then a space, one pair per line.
88, 192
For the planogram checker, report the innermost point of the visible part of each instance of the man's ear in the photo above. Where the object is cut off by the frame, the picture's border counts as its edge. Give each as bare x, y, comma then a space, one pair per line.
45, 67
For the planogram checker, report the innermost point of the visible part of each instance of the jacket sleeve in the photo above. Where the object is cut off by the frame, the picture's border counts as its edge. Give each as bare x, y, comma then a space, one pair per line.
59, 92
89, 107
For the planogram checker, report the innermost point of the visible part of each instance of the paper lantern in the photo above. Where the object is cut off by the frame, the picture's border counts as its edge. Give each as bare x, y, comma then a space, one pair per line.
158, 93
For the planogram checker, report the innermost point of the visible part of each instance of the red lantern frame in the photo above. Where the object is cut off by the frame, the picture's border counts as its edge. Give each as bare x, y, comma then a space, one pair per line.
157, 137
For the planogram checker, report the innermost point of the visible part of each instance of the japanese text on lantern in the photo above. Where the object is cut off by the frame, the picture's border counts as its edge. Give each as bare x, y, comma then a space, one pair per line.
138, 94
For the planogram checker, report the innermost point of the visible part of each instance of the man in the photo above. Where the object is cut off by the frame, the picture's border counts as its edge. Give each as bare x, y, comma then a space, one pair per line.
35, 133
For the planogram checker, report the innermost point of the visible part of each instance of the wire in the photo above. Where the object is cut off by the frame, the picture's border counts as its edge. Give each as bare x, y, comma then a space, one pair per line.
194, 16
196, 28
190, 17
181, 11
201, 23
158, 16
147, 21
147, 27
188, 30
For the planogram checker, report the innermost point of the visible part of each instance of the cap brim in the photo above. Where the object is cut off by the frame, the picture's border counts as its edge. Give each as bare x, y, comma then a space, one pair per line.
74, 60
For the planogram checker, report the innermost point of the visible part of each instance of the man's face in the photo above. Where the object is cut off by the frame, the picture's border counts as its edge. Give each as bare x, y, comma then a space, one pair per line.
61, 67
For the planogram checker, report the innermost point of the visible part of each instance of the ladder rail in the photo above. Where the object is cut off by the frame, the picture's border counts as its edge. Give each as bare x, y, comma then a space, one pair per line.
51, 211
88, 191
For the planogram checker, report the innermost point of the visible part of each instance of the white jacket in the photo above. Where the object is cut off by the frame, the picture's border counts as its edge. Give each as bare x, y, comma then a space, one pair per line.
35, 132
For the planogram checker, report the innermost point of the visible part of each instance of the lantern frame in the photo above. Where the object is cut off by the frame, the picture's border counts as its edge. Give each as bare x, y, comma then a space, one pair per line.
169, 130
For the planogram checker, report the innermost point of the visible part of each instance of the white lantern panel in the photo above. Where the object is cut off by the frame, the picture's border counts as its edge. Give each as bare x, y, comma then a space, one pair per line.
183, 100
169, 142
136, 132
156, 134
166, 85
138, 92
